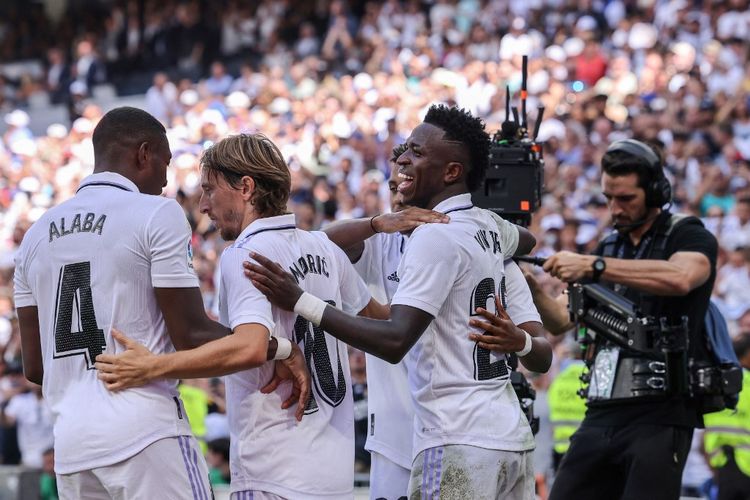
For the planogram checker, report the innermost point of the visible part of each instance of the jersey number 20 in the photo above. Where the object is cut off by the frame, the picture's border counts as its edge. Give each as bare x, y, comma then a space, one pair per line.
484, 296
329, 389
74, 290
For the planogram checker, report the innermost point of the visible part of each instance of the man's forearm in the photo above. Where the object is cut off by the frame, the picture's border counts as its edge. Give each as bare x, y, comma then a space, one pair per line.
658, 277
224, 356
554, 313
206, 331
273, 345
387, 339
540, 358
380, 338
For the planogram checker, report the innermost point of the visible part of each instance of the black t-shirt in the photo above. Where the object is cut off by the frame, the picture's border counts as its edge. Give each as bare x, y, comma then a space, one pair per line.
681, 411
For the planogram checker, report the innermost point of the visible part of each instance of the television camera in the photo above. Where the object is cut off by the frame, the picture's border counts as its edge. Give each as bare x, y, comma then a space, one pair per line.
512, 188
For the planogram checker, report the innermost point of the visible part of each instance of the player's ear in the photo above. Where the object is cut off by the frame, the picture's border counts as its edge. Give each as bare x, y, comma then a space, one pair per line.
143, 154
247, 187
454, 171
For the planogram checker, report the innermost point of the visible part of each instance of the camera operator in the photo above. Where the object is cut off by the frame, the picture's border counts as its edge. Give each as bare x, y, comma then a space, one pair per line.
636, 446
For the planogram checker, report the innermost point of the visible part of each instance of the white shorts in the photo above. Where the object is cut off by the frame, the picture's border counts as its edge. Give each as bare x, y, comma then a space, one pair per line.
388, 480
171, 468
255, 495
459, 471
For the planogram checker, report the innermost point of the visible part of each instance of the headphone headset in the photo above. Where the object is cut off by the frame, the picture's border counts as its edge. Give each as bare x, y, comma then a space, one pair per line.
658, 190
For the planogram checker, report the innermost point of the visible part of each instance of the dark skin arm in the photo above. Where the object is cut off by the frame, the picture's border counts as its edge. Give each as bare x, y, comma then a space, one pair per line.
526, 241
31, 348
350, 235
387, 339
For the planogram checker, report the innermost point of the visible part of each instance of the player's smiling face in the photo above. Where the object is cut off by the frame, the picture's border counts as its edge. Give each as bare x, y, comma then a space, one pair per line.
222, 203
421, 166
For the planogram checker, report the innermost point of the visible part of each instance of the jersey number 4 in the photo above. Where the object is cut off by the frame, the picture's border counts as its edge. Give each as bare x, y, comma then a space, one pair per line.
74, 294
329, 389
484, 369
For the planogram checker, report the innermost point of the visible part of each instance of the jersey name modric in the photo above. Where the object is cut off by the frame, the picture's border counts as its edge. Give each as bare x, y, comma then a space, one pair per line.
79, 223
308, 264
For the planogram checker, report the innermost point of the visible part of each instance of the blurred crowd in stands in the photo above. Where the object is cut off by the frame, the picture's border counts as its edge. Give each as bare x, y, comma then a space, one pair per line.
338, 84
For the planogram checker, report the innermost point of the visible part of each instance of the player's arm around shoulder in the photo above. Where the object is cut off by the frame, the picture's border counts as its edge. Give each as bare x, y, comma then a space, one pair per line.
350, 235
248, 347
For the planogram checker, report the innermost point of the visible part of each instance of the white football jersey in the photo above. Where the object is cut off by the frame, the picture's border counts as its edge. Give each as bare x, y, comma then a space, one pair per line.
271, 451
390, 411
462, 393
88, 265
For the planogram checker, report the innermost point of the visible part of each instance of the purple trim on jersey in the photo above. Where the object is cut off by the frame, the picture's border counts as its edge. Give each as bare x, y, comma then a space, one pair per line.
439, 473
187, 467
198, 472
425, 468
243, 495
432, 472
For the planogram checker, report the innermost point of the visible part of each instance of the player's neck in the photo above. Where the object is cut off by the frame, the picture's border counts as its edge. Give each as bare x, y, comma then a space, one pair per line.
448, 192
251, 216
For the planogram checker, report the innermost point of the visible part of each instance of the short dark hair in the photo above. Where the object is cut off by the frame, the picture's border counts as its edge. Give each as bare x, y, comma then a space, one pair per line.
459, 125
397, 151
126, 127
619, 163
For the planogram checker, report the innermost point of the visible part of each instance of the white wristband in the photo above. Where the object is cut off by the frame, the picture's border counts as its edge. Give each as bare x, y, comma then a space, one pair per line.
283, 348
527, 346
310, 307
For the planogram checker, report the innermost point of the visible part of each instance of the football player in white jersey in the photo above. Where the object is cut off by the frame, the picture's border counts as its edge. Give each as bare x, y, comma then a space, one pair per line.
470, 436
115, 255
246, 185
375, 246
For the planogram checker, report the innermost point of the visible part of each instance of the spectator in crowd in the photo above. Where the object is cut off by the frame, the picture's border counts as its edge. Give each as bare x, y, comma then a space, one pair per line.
48, 480
29, 412
218, 461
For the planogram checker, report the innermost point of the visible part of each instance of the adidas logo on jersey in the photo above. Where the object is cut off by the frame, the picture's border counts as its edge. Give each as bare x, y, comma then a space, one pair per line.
393, 277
